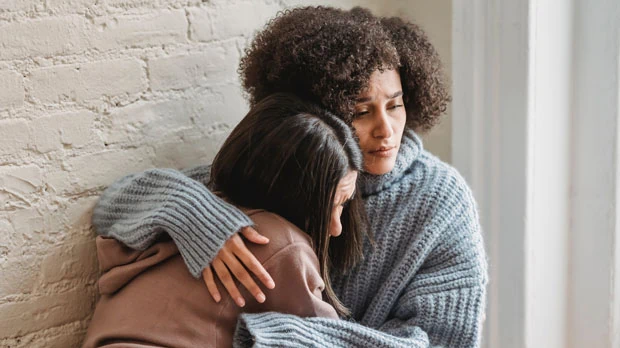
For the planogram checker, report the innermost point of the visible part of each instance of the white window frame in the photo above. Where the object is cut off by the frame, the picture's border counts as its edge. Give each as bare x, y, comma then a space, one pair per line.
536, 88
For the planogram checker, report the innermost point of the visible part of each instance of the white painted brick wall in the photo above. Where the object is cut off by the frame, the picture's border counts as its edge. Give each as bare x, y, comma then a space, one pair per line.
91, 90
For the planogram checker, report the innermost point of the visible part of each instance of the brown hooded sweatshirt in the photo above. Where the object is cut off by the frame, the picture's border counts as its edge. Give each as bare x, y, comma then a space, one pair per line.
148, 298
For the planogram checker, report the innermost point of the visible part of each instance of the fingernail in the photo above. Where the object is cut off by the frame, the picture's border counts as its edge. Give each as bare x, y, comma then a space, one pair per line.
271, 284
217, 299
260, 298
240, 302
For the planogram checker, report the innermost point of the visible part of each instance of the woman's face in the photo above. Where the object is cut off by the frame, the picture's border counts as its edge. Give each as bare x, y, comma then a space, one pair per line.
379, 121
344, 192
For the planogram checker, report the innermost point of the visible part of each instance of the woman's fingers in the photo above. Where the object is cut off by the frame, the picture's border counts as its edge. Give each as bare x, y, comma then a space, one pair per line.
242, 275
207, 275
250, 262
253, 236
228, 281
235, 257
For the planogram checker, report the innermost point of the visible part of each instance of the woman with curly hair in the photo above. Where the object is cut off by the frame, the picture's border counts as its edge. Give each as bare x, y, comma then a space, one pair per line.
423, 276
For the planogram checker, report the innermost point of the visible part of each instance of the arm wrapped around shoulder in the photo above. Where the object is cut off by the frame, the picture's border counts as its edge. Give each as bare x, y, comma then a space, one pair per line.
137, 208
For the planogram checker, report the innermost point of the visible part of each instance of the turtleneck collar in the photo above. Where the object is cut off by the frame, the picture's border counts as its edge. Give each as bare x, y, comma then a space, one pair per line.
410, 148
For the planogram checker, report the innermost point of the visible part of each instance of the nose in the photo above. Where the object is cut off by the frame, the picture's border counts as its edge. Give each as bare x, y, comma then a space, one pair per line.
382, 128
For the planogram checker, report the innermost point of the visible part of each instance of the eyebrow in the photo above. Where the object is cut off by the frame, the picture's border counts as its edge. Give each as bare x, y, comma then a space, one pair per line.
366, 99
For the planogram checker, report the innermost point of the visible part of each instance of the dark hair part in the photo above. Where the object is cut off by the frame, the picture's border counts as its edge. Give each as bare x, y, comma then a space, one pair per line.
288, 156
327, 55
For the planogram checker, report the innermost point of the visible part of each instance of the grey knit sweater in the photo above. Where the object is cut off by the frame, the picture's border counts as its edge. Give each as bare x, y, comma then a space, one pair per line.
422, 284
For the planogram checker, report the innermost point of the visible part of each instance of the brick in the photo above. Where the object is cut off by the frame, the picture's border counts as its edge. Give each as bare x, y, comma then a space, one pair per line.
177, 3
14, 136
68, 129
20, 318
21, 180
21, 5
195, 149
200, 24
79, 212
11, 90
66, 339
88, 81
70, 6
57, 180
46, 223
6, 242
63, 336
73, 34
241, 18
101, 169
18, 276
43, 37
28, 224
21, 185
140, 122
227, 105
132, 3
70, 262
153, 29
4, 200
217, 65
150, 4
69, 217
153, 122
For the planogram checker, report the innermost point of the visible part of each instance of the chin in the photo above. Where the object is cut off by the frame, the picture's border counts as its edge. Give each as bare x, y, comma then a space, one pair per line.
380, 169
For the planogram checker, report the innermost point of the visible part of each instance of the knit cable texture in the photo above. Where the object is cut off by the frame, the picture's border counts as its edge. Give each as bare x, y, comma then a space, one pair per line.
422, 282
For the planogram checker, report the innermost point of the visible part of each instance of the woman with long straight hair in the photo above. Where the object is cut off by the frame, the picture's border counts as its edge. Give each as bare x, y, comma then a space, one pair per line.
289, 166
422, 281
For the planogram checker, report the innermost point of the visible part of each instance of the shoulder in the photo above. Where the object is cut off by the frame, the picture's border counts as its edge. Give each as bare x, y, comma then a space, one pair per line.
446, 209
434, 197
282, 234
450, 202
441, 185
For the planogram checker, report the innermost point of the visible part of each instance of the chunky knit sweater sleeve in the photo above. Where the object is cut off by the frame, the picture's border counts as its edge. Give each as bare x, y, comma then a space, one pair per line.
138, 208
441, 305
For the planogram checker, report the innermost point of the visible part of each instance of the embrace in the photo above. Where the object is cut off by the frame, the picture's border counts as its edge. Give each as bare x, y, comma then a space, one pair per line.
322, 221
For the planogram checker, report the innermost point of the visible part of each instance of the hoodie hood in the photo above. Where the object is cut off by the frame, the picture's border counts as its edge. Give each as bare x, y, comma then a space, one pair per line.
120, 264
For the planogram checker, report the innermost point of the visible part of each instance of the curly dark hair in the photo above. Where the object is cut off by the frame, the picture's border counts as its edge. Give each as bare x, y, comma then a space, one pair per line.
326, 55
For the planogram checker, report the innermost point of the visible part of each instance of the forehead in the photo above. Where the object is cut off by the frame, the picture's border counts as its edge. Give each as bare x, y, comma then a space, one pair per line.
383, 82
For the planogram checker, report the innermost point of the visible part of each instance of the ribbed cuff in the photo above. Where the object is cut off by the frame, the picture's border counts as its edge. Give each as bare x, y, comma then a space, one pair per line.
266, 330
138, 208
272, 329
200, 223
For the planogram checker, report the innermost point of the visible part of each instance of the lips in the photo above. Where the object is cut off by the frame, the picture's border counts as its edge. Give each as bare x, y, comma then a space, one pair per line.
384, 151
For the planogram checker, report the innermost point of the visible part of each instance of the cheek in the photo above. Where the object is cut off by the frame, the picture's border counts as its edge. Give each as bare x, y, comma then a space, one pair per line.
399, 124
402, 119
362, 131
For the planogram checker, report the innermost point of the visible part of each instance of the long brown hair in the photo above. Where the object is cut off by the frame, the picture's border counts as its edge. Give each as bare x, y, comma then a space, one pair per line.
287, 156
